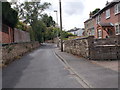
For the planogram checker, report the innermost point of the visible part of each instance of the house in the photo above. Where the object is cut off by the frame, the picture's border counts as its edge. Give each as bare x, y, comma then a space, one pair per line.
89, 27
106, 22
77, 31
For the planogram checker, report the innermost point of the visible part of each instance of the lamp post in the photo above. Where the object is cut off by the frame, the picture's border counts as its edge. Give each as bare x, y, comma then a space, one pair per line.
56, 20
56, 16
61, 25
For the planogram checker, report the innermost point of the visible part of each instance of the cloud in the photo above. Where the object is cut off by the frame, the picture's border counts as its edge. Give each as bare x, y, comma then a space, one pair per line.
71, 8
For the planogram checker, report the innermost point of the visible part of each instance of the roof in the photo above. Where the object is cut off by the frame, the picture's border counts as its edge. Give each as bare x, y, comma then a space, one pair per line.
106, 24
88, 20
76, 29
106, 7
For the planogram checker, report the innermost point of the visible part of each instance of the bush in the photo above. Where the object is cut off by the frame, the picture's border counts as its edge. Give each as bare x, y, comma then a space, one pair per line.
9, 15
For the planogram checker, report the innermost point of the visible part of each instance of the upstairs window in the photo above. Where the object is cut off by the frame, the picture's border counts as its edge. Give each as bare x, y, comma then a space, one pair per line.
117, 8
107, 13
98, 18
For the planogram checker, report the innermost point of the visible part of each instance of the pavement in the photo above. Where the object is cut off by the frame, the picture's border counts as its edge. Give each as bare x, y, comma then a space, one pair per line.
94, 75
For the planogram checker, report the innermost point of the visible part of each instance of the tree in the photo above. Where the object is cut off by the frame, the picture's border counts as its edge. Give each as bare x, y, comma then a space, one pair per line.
9, 15
48, 20
95, 11
30, 12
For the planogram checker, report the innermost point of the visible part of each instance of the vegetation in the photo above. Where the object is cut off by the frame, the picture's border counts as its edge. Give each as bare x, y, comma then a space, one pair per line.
9, 15
28, 17
95, 11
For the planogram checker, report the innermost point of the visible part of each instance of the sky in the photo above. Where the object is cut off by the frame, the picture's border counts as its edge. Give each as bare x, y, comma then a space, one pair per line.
74, 12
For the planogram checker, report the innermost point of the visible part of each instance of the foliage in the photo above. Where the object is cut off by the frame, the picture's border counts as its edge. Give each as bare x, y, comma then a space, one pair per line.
66, 34
48, 20
29, 12
95, 11
51, 33
22, 26
9, 15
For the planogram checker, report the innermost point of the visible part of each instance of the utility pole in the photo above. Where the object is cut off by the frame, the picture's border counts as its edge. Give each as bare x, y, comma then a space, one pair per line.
61, 25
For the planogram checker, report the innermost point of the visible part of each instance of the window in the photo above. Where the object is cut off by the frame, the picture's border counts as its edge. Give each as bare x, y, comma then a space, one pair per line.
107, 13
99, 33
117, 8
98, 18
117, 29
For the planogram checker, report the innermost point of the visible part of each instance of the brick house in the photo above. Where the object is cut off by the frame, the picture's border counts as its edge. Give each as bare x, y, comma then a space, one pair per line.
106, 22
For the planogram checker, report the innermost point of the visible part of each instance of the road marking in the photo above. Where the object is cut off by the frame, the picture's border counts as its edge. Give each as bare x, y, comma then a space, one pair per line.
80, 79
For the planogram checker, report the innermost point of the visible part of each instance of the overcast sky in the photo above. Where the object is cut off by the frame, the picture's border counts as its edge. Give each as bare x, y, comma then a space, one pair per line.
74, 12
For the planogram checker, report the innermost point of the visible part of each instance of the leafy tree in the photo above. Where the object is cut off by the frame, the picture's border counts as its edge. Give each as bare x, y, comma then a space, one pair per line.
9, 15
66, 34
48, 20
95, 11
30, 12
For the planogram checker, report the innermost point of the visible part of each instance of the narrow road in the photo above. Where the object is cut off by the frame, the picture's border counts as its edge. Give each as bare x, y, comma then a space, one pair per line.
39, 69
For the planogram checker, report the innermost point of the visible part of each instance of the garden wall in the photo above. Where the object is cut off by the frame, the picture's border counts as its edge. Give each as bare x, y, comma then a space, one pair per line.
96, 49
11, 52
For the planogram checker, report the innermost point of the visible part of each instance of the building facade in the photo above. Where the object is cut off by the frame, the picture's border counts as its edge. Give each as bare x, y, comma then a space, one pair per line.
106, 22
77, 31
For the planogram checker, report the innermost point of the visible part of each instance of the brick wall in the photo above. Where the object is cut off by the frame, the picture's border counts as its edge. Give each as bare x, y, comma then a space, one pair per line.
7, 34
10, 35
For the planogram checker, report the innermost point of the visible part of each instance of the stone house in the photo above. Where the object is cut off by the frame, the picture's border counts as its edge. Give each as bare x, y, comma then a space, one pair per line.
106, 22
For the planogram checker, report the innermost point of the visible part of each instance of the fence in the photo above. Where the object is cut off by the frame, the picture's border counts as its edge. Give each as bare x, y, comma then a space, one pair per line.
10, 35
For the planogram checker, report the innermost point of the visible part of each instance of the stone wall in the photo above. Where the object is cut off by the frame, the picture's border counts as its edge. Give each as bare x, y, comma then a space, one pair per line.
96, 49
78, 47
11, 52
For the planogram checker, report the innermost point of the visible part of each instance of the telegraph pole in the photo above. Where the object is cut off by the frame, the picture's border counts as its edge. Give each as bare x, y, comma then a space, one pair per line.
61, 25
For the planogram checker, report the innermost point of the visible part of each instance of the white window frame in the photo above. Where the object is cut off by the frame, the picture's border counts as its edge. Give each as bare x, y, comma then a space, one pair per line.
98, 19
99, 33
107, 13
117, 8
117, 30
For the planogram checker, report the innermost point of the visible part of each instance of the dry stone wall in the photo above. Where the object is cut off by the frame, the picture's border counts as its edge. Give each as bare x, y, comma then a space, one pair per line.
14, 51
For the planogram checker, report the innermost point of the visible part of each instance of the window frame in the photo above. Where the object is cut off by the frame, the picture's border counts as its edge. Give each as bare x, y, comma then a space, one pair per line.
117, 8
99, 33
117, 29
107, 15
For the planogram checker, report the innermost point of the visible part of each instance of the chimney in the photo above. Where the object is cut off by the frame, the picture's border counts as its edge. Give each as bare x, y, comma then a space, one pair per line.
107, 3
90, 15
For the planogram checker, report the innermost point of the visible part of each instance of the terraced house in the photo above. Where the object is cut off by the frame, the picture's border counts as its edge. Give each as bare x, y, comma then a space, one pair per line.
106, 22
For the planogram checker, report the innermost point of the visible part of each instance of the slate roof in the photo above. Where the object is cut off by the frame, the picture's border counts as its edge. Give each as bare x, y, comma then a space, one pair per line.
106, 24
